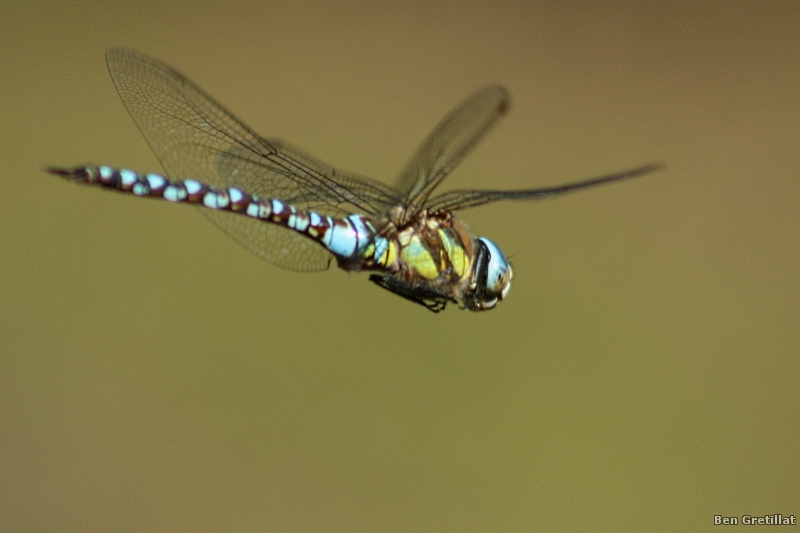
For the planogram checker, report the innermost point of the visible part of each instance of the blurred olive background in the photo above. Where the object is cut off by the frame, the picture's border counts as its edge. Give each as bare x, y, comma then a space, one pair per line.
642, 375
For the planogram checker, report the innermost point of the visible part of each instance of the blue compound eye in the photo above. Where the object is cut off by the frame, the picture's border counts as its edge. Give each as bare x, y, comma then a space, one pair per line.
498, 271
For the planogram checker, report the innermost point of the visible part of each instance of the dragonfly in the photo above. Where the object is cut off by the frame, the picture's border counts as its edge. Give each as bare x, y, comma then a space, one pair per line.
299, 213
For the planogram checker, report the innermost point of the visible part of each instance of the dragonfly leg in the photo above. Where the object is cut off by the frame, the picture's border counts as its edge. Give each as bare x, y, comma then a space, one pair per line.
430, 298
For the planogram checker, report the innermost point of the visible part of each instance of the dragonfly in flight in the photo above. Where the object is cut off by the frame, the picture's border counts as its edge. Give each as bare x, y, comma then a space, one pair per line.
299, 213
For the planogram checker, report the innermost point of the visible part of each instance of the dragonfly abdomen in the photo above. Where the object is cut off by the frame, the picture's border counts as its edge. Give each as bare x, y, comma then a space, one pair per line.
353, 240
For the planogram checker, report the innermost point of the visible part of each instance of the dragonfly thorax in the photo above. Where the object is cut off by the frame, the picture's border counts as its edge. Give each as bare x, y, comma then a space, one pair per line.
439, 261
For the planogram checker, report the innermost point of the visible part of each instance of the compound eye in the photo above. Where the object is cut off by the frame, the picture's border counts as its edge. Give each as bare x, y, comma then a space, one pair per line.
498, 271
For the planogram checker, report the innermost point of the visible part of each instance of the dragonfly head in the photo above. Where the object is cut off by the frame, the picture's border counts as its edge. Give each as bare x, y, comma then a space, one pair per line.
492, 276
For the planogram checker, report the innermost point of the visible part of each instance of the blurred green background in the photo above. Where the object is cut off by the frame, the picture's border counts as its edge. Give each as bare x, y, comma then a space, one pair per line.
641, 376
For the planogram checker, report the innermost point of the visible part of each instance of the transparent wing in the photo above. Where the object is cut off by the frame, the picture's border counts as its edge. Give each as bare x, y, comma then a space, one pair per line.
449, 142
454, 200
194, 136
